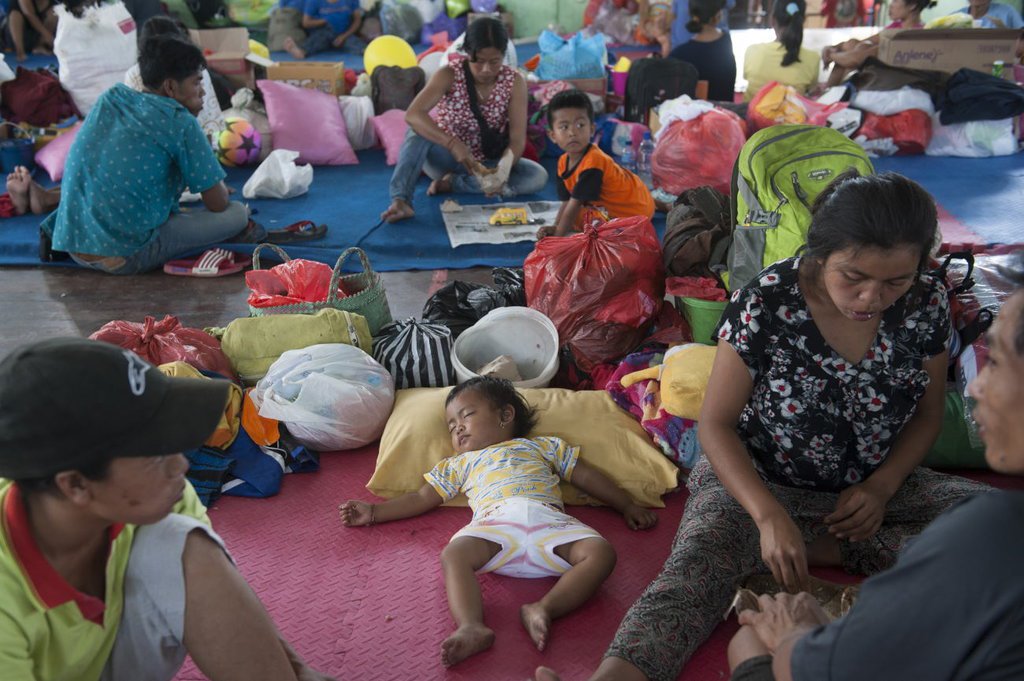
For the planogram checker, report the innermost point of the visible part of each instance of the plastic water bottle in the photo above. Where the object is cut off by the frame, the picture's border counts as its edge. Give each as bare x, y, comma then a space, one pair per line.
628, 158
643, 160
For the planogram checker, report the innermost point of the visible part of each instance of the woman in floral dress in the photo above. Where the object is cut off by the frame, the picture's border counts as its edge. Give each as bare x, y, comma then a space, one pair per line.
826, 393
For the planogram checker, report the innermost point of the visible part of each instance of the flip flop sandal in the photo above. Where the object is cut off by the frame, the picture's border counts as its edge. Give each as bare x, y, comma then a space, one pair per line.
303, 230
216, 262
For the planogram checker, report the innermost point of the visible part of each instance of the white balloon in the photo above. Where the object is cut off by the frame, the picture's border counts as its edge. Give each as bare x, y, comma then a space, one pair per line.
431, 63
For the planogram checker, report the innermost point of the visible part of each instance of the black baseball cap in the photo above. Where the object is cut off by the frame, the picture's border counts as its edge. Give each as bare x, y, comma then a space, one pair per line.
67, 403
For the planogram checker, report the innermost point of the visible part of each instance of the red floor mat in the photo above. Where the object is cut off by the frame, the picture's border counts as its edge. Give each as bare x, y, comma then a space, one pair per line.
369, 603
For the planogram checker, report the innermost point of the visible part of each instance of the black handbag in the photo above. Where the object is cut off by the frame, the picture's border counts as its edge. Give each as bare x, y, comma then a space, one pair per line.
492, 142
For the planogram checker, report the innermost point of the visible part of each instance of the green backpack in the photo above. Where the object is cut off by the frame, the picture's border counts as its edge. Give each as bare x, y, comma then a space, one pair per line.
779, 173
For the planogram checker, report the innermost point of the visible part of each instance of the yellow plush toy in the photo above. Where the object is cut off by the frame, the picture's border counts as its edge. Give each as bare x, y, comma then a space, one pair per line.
683, 377
227, 428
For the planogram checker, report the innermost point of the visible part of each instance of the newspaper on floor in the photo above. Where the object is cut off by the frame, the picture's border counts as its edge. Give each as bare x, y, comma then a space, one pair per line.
472, 225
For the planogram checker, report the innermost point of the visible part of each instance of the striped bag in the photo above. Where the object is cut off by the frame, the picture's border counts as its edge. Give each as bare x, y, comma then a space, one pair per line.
418, 354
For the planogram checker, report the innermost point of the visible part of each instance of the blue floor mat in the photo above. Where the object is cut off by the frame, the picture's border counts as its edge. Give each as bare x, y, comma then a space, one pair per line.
349, 199
985, 194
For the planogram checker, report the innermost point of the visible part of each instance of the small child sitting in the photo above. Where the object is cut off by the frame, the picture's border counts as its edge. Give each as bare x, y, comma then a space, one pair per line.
654, 24
511, 482
330, 23
589, 180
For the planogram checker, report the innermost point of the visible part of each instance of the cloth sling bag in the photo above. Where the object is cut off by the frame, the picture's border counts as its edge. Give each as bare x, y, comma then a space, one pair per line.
492, 142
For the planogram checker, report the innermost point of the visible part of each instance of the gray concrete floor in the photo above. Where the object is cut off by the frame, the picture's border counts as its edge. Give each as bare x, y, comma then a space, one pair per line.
44, 302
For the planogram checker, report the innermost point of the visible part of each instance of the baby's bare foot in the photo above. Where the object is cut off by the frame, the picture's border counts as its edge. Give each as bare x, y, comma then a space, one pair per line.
468, 640
18, 183
536, 622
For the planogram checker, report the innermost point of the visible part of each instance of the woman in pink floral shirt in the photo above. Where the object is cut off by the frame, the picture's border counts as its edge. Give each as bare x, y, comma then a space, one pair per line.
467, 127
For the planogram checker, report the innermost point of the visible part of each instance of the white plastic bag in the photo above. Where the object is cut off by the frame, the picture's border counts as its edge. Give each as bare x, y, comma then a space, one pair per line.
682, 108
889, 102
5, 71
358, 114
94, 51
330, 396
974, 139
278, 177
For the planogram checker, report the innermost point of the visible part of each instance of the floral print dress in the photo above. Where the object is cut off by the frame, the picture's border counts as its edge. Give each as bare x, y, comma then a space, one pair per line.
815, 419
814, 425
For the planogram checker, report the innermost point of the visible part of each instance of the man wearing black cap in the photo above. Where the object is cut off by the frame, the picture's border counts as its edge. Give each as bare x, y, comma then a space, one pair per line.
108, 567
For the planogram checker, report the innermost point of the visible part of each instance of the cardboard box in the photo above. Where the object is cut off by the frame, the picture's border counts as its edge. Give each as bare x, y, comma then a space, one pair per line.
227, 52
949, 49
326, 76
506, 18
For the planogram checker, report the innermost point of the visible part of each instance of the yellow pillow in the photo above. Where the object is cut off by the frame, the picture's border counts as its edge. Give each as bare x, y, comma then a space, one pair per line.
416, 438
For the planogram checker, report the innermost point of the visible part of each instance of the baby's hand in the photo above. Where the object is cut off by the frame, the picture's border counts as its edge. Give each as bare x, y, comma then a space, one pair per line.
639, 518
355, 513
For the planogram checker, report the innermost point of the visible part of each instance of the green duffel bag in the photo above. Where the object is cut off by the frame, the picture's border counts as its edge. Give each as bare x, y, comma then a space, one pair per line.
955, 448
254, 343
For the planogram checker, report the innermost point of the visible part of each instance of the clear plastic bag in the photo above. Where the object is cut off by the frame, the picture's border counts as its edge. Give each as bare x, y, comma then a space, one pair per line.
577, 57
279, 177
401, 19
330, 396
975, 139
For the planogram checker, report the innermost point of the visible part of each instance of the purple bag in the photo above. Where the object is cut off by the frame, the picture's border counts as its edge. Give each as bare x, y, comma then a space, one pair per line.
443, 22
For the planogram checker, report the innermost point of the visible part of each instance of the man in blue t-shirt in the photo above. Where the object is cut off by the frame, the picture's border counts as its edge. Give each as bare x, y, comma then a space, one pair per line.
330, 23
133, 156
993, 14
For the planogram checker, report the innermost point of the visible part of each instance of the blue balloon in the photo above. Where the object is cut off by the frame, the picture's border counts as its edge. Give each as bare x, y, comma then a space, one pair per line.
484, 6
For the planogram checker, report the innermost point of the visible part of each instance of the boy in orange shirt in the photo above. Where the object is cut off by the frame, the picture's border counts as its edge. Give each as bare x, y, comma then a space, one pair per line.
589, 180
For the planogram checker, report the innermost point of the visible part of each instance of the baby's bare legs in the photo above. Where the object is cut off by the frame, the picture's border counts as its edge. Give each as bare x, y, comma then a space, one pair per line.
592, 560
460, 560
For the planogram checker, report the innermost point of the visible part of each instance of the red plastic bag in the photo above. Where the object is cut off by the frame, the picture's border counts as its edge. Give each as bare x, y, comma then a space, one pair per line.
702, 288
776, 103
698, 152
601, 288
910, 130
167, 341
295, 281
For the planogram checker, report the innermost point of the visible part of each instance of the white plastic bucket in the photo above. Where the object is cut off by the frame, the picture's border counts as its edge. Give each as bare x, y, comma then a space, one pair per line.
522, 333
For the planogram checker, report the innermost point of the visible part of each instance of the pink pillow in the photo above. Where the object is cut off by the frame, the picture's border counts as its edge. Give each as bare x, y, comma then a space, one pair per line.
309, 122
391, 127
54, 155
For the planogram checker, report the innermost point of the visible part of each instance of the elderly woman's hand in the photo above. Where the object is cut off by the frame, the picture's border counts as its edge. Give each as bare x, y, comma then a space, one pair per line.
782, 615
